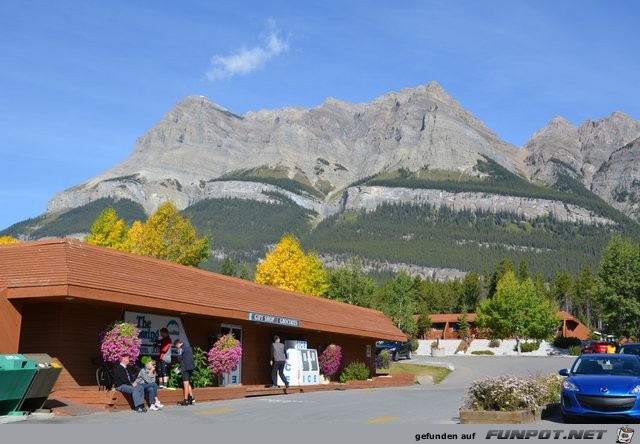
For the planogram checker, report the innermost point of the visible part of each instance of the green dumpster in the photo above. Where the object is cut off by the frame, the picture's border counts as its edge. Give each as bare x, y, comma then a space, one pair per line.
16, 374
42, 383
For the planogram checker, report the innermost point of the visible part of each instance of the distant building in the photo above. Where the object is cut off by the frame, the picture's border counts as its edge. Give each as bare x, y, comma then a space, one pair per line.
445, 326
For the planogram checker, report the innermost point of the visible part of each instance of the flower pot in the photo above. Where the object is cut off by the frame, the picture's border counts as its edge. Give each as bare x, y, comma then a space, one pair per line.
495, 417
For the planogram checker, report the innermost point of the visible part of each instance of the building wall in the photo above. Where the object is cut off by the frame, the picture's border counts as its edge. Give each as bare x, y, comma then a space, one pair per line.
69, 331
257, 339
10, 321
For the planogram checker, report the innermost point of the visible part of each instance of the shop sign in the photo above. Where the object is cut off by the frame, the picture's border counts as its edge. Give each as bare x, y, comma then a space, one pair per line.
150, 325
271, 319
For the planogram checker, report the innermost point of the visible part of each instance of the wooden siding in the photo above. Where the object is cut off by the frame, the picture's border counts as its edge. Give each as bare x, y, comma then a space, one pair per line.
66, 267
10, 322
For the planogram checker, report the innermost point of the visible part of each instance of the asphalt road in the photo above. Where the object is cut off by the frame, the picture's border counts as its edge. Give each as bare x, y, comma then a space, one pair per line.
419, 404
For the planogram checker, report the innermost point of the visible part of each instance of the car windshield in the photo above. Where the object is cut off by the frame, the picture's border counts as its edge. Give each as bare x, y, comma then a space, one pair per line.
606, 366
387, 344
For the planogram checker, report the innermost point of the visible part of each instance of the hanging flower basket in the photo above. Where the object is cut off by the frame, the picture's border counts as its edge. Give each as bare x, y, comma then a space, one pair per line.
225, 355
120, 339
330, 360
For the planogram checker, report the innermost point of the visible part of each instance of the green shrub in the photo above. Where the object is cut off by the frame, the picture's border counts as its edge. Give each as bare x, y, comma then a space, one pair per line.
356, 371
383, 360
494, 343
527, 347
565, 342
201, 376
482, 352
414, 344
574, 350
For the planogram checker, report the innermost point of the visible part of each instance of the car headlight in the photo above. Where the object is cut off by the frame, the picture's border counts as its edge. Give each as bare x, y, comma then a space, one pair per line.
635, 390
568, 385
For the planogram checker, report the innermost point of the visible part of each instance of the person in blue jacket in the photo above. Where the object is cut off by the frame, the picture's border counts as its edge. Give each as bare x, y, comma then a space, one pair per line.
186, 368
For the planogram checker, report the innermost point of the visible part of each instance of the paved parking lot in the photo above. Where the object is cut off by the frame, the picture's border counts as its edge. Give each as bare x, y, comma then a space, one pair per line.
419, 404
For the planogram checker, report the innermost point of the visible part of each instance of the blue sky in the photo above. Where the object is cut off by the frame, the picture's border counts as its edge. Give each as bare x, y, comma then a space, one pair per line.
81, 80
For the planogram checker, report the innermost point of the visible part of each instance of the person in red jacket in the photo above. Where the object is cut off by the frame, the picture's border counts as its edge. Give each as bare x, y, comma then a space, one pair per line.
164, 344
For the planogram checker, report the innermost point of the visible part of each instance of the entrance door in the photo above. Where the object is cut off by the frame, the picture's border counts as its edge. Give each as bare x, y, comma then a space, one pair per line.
233, 378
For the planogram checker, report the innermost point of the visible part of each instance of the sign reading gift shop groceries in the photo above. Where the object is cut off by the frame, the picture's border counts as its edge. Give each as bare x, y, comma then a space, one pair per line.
271, 319
150, 325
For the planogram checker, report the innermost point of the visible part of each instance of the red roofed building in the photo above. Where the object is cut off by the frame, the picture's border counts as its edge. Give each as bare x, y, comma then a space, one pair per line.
445, 326
56, 296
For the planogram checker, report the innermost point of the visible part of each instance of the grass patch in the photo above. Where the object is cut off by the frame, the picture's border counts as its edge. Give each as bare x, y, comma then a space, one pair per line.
483, 352
438, 373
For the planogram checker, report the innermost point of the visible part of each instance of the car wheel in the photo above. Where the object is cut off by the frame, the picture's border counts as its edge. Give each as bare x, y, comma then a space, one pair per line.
395, 356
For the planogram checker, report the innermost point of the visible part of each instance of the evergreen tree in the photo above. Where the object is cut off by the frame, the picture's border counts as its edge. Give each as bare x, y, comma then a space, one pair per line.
244, 272
471, 291
424, 322
228, 267
523, 270
503, 267
560, 290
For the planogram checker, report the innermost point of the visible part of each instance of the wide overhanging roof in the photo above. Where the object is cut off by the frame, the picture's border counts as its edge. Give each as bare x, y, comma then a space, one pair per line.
69, 268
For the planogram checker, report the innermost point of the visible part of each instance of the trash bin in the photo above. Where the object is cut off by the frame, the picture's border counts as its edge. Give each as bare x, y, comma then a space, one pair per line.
42, 384
16, 374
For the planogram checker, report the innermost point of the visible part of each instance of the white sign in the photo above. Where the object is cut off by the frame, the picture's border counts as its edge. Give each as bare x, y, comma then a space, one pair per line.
302, 367
150, 325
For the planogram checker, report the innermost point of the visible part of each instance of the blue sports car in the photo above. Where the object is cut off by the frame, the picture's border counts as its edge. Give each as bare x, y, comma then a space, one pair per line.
601, 385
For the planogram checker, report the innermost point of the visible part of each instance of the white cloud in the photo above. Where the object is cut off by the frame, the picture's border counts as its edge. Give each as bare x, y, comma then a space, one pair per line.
248, 60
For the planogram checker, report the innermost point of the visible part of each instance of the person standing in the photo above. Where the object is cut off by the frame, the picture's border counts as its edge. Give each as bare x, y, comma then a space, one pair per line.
278, 361
164, 345
186, 368
122, 383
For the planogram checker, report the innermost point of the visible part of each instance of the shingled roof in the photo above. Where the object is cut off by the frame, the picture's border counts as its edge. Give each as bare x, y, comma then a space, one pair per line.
62, 268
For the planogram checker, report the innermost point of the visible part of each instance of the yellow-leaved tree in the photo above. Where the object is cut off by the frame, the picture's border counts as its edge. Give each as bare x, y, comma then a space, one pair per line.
4, 240
288, 267
167, 235
108, 231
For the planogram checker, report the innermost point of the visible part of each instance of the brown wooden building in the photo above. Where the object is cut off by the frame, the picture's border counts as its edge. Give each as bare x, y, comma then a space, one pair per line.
56, 296
445, 326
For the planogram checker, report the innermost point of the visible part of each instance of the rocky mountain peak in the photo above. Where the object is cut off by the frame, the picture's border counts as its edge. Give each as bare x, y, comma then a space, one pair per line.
199, 145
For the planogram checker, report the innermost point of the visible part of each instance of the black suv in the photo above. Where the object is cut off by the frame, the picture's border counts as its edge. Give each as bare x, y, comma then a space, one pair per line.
396, 348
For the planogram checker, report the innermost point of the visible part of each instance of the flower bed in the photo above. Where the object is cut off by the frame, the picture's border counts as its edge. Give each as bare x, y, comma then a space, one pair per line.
505, 399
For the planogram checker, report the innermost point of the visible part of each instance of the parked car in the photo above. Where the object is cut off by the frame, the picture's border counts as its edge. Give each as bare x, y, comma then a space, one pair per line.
601, 386
396, 348
599, 347
630, 348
